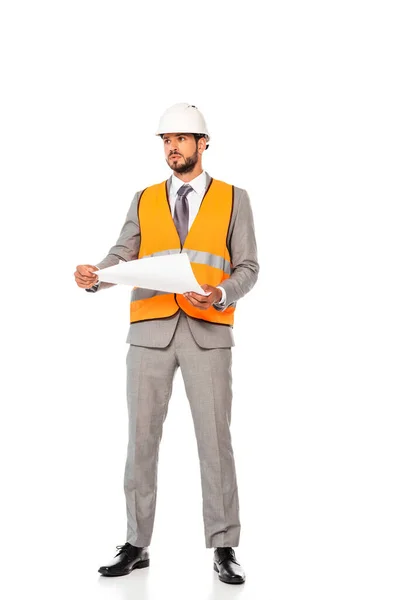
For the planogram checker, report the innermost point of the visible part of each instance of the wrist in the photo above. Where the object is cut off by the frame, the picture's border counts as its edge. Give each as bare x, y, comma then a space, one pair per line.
222, 298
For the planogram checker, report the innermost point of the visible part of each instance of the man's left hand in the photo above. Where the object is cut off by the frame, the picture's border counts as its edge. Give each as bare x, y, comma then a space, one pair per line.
204, 302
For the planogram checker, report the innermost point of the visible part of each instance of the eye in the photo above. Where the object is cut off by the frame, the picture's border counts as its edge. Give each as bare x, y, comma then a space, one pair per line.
182, 137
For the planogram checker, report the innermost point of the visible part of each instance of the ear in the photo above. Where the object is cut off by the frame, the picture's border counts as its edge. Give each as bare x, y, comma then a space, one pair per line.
201, 145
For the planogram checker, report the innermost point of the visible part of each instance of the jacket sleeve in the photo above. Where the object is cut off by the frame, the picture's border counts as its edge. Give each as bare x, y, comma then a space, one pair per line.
126, 247
243, 250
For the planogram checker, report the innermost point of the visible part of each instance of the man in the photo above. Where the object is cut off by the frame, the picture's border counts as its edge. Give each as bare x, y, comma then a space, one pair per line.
212, 221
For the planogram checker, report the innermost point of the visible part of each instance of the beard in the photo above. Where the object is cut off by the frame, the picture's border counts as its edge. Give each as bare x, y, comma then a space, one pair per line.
188, 164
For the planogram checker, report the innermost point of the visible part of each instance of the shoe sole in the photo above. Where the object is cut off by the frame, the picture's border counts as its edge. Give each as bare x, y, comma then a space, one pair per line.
139, 565
221, 578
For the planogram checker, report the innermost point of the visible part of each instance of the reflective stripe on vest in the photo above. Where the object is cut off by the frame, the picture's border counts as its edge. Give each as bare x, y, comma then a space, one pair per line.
205, 245
196, 256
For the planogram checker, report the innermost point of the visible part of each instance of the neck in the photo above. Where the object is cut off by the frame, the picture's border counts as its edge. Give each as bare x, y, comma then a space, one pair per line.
186, 177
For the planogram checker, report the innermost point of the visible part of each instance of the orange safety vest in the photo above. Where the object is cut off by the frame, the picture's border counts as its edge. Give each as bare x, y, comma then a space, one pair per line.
206, 245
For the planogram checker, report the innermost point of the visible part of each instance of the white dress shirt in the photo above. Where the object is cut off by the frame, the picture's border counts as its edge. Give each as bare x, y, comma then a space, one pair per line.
194, 200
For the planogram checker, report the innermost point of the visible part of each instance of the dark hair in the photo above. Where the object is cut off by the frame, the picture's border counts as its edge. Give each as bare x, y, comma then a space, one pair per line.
198, 136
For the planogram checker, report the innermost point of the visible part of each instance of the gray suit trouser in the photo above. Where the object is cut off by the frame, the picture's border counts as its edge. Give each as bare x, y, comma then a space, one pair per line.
208, 384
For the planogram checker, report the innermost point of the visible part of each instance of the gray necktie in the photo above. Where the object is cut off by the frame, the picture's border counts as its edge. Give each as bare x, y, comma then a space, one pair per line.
181, 212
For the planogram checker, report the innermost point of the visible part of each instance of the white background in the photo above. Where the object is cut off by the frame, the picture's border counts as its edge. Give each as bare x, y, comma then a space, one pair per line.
302, 103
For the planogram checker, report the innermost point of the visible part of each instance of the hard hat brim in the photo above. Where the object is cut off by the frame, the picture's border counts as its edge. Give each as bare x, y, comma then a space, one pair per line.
206, 135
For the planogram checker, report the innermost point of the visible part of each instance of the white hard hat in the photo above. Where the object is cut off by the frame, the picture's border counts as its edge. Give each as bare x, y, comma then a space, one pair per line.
183, 118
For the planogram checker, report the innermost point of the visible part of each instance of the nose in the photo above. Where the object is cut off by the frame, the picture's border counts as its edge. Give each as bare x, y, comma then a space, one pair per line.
173, 147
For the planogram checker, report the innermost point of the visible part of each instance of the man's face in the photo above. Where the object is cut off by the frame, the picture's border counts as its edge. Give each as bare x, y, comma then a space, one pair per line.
181, 151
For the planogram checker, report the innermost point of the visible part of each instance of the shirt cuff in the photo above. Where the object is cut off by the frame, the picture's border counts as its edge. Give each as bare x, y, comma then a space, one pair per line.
223, 298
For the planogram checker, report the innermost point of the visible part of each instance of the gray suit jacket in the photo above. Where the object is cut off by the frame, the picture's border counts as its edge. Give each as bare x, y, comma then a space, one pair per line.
242, 246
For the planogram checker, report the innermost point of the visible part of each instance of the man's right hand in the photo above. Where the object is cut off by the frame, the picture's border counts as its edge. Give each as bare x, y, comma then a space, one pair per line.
85, 276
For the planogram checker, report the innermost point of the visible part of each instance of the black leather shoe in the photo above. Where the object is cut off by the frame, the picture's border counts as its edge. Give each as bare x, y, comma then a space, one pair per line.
227, 567
128, 558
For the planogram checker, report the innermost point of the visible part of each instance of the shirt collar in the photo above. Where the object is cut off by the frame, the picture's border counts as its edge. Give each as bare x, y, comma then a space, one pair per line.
198, 183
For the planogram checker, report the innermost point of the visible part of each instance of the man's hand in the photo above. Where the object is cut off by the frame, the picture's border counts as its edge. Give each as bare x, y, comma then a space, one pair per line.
204, 302
85, 277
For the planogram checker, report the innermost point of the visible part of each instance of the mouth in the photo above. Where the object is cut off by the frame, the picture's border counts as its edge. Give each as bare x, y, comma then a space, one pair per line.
175, 156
